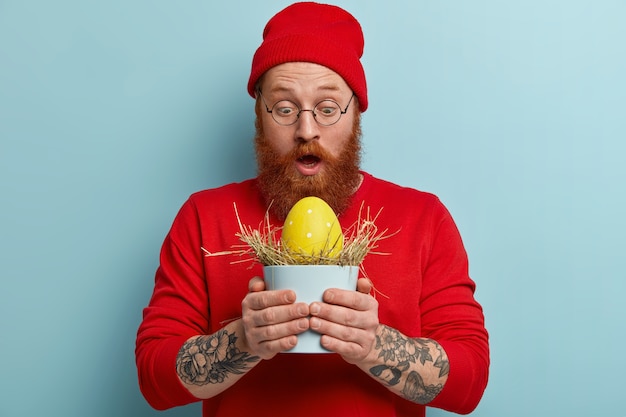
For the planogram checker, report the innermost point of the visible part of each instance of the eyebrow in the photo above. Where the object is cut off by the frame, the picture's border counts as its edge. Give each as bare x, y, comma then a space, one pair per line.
325, 88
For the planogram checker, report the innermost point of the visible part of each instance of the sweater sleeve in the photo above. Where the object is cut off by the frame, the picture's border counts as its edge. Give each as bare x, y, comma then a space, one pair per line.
452, 317
177, 310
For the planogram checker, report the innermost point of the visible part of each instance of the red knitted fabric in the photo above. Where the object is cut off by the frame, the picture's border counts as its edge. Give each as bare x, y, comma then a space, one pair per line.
423, 288
317, 33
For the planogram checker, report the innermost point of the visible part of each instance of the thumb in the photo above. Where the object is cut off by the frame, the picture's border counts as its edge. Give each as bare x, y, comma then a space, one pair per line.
256, 284
364, 285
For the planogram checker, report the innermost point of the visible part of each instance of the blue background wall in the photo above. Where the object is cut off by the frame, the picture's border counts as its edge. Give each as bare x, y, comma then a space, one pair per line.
112, 113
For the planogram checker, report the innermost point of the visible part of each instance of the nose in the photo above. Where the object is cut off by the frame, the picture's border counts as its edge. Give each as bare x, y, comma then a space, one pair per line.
307, 129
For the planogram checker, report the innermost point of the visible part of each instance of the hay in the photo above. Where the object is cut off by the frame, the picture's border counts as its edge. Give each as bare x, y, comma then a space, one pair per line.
263, 244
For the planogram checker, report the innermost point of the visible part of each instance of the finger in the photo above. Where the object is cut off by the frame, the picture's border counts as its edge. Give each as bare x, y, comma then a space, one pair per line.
364, 285
269, 340
352, 343
327, 314
279, 330
351, 352
268, 349
259, 300
352, 299
277, 314
342, 339
256, 284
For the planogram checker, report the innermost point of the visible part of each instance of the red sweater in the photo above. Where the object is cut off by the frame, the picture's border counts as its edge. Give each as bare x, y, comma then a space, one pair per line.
424, 291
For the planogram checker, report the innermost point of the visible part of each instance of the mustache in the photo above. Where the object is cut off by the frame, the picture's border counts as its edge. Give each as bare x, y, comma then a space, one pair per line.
310, 149
281, 185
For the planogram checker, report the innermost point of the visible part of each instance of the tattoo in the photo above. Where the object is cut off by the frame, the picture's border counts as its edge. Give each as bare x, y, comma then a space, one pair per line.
415, 390
210, 359
398, 353
390, 374
442, 362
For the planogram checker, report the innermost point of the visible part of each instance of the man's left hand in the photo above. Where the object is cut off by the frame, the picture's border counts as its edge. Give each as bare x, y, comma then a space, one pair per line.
347, 321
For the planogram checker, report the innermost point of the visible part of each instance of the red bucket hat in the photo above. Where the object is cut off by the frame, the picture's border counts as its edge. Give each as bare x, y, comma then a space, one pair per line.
318, 33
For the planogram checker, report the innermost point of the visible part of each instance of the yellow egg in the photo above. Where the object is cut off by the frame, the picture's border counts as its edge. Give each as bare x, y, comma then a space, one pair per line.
312, 228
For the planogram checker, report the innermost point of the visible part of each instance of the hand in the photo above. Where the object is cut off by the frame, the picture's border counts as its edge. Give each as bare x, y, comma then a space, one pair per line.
271, 319
347, 320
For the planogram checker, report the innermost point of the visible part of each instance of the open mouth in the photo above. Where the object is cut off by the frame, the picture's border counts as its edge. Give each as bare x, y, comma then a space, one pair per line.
309, 164
309, 160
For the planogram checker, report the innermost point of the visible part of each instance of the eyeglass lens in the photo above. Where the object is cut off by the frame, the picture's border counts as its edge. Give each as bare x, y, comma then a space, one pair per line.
326, 112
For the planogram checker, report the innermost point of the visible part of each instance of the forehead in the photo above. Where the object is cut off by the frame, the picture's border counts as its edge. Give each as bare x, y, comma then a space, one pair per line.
302, 78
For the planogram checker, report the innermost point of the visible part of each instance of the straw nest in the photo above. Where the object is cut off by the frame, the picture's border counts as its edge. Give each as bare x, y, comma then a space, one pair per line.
264, 244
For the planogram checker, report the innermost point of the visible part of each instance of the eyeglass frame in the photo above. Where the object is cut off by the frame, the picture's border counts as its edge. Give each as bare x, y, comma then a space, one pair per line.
300, 110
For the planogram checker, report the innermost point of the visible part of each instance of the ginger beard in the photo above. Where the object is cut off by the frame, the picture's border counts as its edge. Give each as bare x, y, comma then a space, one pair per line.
282, 185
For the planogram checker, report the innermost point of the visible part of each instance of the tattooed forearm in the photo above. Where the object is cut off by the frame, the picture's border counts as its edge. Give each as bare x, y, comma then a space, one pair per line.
210, 359
415, 390
412, 361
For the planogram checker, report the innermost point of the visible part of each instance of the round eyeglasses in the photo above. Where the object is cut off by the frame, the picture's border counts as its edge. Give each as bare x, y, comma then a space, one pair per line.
286, 112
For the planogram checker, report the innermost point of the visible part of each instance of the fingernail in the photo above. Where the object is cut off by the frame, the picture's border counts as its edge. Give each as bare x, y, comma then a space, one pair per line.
314, 323
314, 308
303, 325
290, 297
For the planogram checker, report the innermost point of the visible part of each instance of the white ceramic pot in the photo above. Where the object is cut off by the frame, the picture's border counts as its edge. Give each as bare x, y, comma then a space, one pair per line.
309, 283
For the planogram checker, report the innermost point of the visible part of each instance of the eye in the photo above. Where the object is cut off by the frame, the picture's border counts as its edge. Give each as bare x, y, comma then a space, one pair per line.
326, 108
285, 108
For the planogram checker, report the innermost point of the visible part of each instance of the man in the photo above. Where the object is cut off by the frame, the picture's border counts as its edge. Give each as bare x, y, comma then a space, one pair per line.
213, 332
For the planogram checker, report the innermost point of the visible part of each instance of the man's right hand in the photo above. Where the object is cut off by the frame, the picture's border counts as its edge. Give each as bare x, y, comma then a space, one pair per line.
272, 319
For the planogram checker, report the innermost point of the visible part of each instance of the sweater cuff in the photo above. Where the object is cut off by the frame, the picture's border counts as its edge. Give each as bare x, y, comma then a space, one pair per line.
171, 390
465, 384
